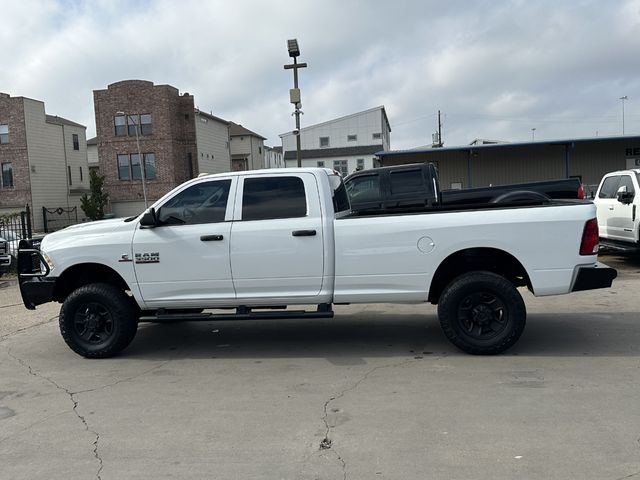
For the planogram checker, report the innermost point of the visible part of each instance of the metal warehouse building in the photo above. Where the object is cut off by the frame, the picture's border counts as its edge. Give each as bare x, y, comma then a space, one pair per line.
479, 165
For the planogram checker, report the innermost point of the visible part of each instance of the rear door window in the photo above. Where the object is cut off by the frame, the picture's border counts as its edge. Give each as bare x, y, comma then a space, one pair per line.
406, 181
268, 198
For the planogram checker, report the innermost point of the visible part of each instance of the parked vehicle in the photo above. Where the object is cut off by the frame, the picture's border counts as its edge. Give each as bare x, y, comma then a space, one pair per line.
5, 258
417, 185
617, 205
261, 241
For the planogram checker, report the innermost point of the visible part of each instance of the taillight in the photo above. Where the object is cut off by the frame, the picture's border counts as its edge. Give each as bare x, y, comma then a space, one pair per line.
590, 241
581, 192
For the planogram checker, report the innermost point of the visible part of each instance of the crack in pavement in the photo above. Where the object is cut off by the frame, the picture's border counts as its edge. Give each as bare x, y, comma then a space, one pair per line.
327, 442
8, 335
71, 395
628, 476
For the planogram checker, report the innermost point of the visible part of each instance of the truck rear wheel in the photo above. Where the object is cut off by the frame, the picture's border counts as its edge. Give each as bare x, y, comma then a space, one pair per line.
98, 320
482, 313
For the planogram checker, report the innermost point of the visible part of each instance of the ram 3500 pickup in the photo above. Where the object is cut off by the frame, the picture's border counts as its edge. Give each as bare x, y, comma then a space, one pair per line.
260, 241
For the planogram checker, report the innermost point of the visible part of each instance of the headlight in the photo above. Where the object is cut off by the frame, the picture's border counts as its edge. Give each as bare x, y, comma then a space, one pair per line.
48, 260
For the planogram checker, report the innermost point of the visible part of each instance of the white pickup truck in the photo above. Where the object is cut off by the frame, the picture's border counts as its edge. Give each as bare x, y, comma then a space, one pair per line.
617, 202
262, 241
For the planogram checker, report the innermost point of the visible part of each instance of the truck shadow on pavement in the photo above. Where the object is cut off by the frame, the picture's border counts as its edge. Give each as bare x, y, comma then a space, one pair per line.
347, 338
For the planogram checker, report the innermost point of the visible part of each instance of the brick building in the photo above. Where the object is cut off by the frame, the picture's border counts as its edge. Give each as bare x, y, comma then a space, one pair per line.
162, 121
43, 161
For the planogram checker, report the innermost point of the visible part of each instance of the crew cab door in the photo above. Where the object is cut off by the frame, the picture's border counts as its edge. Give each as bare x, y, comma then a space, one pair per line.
623, 216
277, 248
616, 220
184, 261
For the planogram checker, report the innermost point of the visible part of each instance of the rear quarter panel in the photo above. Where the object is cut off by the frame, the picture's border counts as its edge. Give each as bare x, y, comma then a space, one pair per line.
393, 258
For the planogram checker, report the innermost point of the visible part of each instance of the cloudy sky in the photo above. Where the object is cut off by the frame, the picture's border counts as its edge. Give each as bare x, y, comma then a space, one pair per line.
496, 69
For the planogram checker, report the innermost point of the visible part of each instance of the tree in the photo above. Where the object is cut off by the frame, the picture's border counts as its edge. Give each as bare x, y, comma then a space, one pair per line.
93, 205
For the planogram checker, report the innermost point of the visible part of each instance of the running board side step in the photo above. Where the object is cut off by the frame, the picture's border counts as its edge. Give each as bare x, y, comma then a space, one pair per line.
242, 313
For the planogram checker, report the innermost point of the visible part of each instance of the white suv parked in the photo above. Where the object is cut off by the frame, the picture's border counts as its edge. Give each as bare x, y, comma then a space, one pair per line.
617, 202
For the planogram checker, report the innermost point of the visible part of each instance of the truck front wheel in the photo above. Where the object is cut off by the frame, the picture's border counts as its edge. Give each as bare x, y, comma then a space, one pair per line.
482, 313
98, 320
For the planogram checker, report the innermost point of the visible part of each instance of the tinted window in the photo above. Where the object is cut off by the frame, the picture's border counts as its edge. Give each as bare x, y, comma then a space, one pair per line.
625, 181
609, 187
201, 203
406, 181
340, 196
364, 189
273, 197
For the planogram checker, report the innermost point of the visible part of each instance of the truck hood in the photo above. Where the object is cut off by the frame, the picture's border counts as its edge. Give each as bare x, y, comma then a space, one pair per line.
77, 234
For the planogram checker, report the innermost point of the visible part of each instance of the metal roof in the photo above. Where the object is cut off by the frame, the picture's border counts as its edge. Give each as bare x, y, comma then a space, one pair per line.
539, 143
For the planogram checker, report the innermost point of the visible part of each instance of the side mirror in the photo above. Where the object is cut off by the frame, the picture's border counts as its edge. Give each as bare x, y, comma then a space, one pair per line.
625, 197
149, 219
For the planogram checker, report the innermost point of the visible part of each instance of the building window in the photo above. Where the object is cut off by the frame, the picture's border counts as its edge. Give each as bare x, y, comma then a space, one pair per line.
376, 136
129, 166
150, 171
136, 174
123, 167
132, 124
341, 166
76, 142
4, 133
146, 125
120, 125
321, 164
324, 142
360, 165
7, 175
260, 150
81, 175
352, 138
69, 174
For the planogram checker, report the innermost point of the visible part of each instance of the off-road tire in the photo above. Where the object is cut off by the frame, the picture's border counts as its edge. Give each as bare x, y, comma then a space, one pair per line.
98, 320
482, 313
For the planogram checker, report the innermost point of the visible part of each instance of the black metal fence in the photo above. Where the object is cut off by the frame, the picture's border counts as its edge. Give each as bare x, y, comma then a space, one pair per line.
58, 218
16, 226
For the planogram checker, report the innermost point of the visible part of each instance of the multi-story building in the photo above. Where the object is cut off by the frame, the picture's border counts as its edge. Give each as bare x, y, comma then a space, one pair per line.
273, 157
43, 160
92, 154
176, 142
247, 148
345, 144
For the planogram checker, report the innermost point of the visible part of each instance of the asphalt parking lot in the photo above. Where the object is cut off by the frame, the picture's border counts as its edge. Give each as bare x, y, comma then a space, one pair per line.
375, 393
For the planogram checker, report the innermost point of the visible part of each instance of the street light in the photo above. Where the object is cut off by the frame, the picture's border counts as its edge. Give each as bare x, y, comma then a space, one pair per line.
622, 99
140, 159
533, 134
294, 93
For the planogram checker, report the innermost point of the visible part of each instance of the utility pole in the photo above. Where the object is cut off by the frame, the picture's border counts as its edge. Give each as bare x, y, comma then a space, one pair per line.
294, 93
622, 99
439, 131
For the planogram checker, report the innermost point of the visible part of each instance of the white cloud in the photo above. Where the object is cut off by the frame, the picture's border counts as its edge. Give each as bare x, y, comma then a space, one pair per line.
495, 69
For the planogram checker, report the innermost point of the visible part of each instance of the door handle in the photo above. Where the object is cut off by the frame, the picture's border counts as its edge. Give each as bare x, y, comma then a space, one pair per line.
211, 238
304, 233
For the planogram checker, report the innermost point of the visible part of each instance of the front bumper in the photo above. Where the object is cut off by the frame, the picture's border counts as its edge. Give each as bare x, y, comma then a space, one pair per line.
591, 277
35, 287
